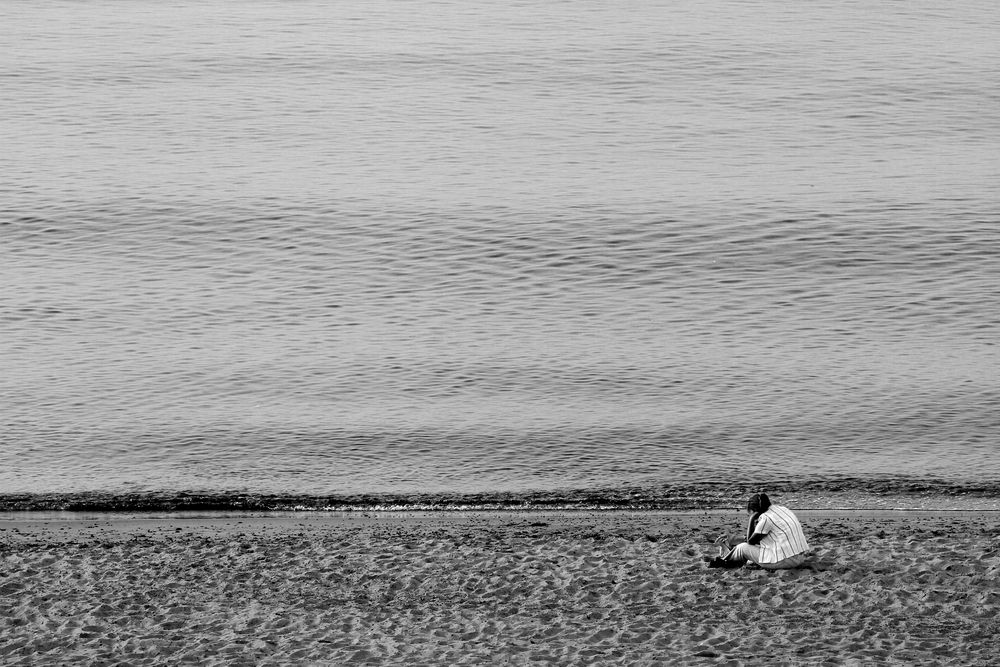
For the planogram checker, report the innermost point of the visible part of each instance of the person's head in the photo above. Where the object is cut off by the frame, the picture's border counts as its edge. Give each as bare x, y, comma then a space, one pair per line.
758, 503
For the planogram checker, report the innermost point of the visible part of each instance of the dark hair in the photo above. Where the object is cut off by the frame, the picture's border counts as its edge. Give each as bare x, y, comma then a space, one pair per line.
759, 503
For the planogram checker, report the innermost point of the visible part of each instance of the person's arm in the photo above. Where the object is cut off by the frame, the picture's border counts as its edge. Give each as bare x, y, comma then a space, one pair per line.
760, 530
752, 524
726, 541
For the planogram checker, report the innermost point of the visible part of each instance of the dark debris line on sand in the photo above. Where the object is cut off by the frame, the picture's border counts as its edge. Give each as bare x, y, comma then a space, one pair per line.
665, 497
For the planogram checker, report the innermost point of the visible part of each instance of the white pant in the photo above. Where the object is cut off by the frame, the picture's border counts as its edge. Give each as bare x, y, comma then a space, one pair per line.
751, 552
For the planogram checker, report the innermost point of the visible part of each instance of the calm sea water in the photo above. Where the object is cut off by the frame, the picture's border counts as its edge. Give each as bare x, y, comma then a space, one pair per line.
470, 247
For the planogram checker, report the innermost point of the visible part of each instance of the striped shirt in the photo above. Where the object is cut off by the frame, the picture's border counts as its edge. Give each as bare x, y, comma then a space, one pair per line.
783, 536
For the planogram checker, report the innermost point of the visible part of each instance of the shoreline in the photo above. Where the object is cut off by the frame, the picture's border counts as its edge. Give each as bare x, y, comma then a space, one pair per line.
493, 587
183, 516
814, 494
21, 516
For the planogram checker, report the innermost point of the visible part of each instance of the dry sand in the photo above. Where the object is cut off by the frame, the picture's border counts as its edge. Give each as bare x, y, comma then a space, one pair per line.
493, 588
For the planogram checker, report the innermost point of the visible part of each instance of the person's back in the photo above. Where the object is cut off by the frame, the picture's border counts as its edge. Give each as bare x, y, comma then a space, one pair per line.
782, 535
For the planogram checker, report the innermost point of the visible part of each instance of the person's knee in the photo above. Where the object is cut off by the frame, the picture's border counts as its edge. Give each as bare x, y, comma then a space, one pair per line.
745, 551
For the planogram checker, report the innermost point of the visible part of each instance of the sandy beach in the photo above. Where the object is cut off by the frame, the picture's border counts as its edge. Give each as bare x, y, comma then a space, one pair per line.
443, 588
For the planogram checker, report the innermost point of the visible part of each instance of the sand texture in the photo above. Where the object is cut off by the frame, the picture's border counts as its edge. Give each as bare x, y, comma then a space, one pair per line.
494, 588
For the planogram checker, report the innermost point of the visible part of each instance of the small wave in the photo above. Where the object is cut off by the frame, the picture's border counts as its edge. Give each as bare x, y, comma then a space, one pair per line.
822, 494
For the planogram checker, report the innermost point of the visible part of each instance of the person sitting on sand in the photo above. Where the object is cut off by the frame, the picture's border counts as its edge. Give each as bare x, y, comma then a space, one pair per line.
774, 538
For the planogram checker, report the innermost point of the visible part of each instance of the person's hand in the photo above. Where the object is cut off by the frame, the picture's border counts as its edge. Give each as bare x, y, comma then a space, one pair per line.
722, 539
